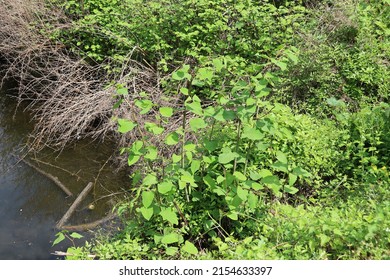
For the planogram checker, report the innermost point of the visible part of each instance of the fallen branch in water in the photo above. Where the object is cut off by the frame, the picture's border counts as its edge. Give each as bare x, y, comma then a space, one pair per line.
92, 225
51, 177
58, 167
73, 207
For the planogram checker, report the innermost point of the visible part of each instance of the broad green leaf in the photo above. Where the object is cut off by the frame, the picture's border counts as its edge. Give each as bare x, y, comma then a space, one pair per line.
125, 125
187, 177
182, 73
218, 64
290, 189
149, 180
197, 123
169, 215
280, 166
292, 178
233, 216
147, 198
147, 213
136, 147
166, 111
60, 237
122, 91
223, 115
184, 90
189, 248
151, 153
171, 251
227, 156
210, 145
76, 235
281, 157
176, 158
209, 181
145, 105
189, 147
170, 238
252, 200
132, 159
172, 139
164, 187
301, 172
324, 239
242, 193
195, 165
194, 106
265, 173
205, 74
153, 128
253, 185
252, 133
239, 176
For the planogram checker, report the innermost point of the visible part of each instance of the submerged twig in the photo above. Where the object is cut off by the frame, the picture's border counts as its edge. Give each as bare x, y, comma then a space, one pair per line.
49, 176
73, 207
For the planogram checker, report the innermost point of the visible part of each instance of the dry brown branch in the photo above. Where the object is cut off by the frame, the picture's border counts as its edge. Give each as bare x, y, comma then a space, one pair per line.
74, 205
92, 225
69, 98
49, 176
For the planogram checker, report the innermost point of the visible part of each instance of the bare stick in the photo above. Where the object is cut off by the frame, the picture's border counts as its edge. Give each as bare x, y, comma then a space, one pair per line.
51, 177
73, 207
92, 225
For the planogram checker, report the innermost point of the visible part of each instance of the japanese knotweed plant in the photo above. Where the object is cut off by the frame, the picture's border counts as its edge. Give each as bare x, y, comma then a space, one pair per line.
217, 185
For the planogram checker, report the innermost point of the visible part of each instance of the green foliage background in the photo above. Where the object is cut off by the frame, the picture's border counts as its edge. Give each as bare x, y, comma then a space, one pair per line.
283, 151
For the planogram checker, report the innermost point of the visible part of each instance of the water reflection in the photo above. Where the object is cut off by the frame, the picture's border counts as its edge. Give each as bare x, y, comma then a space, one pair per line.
30, 203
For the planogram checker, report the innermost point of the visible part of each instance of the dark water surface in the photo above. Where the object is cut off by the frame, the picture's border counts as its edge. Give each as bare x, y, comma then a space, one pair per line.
30, 203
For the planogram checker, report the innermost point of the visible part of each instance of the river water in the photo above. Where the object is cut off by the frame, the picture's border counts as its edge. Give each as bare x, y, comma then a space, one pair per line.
30, 203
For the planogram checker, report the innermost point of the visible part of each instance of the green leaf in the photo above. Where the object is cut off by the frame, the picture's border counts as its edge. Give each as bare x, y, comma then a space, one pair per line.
132, 159
166, 112
301, 172
190, 248
182, 73
172, 139
218, 64
151, 153
149, 180
205, 74
227, 156
171, 251
154, 128
147, 198
176, 158
194, 106
253, 185
170, 238
242, 193
239, 176
233, 216
197, 123
292, 178
281, 157
76, 235
165, 187
252, 201
122, 91
60, 237
195, 165
252, 133
169, 215
265, 173
184, 91
125, 125
145, 105
147, 213
324, 239
280, 166
290, 189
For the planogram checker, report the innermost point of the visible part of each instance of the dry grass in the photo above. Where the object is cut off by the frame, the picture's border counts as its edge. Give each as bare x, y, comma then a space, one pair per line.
70, 99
